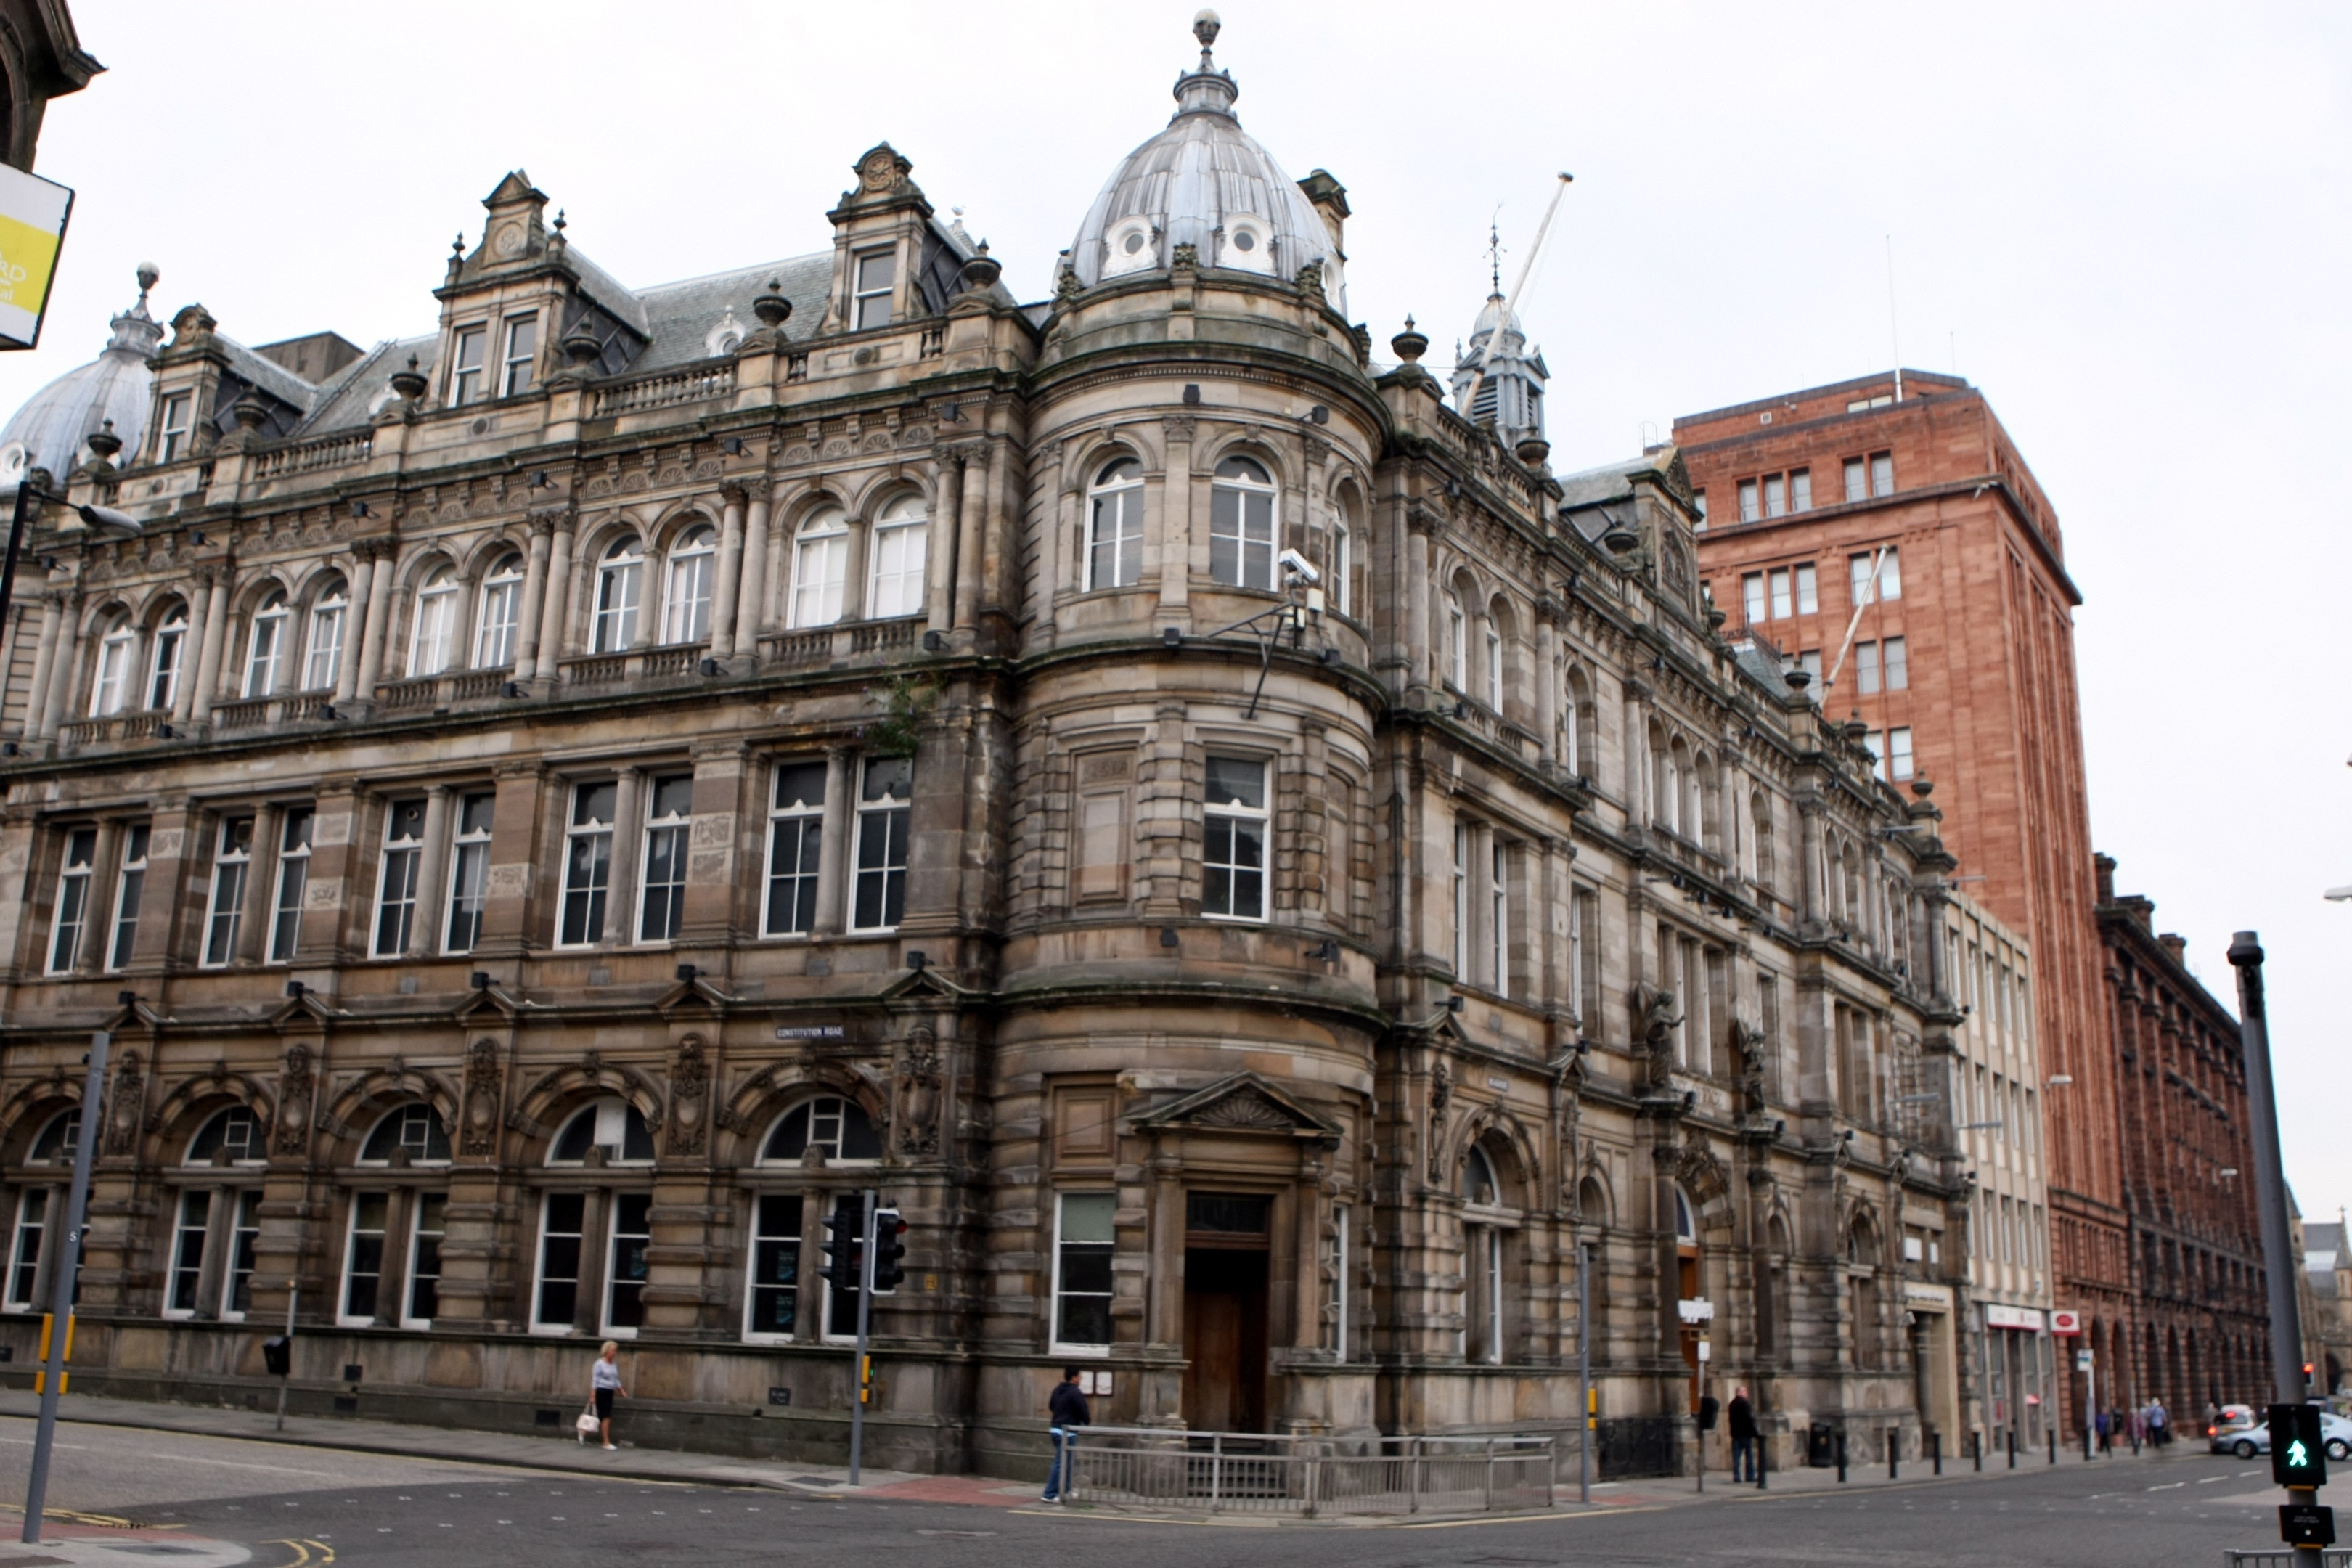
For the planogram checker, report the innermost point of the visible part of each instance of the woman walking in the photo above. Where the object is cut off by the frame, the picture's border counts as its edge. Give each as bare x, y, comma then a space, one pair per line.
603, 1385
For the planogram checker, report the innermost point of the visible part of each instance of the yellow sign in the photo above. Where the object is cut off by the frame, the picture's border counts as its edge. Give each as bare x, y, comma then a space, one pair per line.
48, 1321
33, 213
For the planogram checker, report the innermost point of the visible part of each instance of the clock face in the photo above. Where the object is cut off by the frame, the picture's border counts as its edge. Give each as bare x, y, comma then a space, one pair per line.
507, 241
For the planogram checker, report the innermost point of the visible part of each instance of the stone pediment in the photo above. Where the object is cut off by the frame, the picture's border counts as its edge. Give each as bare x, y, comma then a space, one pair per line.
1241, 1103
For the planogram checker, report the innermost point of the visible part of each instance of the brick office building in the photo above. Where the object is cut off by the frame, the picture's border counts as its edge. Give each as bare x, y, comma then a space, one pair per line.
1961, 663
2200, 1333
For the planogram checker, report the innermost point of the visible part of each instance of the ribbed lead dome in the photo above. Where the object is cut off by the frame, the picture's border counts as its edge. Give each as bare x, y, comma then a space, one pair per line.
1204, 182
52, 429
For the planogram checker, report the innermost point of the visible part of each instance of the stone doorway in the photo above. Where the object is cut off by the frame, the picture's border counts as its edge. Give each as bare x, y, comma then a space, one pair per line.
1224, 1339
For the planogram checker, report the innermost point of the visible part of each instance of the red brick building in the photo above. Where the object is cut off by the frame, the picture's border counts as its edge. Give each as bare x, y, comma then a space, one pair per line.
2199, 1334
1912, 505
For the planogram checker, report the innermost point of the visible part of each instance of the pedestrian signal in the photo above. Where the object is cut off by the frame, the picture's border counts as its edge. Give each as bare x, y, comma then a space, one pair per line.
2298, 1450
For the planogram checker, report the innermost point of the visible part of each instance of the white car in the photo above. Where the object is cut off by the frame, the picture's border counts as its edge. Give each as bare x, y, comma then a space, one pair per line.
2335, 1431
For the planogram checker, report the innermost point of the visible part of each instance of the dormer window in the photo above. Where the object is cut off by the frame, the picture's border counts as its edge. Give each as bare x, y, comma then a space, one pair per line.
465, 377
1130, 247
522, 354
1247, 246
878, 272
175, 438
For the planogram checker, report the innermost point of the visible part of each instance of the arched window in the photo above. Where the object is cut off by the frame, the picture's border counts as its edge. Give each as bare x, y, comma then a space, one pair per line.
820, 565
163, 655
1666, 787
1478, 1183
1494, 662
1759, 815
895, 577
436, 624
613, 1125
237, 1132
1241, 525
1685, 1223
1115, 526
416, 1129
1575, 753
111, 688
323, 652
1343, 568
620, 585
1485, 1239
266, 648
501, 612
59, 1139
686, 609
837, 1128
1457, 643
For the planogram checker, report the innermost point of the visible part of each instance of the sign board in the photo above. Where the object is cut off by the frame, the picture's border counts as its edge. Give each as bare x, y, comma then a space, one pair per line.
1999, 1316
1696, 1310
1706, 1350
2307, 1524
2064, 1322
2082, 1361
33, 213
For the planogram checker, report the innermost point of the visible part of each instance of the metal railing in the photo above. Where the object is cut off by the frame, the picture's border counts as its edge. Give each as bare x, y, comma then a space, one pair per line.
1248, 1472
2286, 1557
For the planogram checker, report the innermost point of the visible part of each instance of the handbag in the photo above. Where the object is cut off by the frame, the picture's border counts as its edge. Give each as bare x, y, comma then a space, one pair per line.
585, 1423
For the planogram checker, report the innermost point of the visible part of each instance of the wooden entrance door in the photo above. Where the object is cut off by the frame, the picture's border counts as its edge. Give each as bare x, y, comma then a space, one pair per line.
1224, 1339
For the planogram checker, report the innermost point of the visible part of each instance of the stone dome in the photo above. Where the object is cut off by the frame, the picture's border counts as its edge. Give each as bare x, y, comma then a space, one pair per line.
53, 428
1204, 182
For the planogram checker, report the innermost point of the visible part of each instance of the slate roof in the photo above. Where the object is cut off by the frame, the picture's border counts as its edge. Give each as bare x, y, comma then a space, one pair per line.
680, 316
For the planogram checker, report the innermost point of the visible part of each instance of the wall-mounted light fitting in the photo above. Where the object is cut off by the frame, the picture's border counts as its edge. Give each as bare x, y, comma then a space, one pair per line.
918, 961
685, 974
1172, 637
1192, 392
732, 445
1168, 936
479, 980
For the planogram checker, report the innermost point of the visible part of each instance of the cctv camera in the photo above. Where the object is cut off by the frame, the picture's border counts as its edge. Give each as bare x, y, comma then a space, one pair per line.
1298, 566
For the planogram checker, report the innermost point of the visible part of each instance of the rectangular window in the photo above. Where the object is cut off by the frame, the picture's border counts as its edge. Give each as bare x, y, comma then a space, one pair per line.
395, 896
898, 549
129, 884
1698, 503
470, 872
1340, 1265
173, 444
1498, 901
1103, 844
1875, 740
425, 1259
187, 1269
1865, 669
1767, 1008
1776, 495
795, 842
1462, 902
163, 663
466, 377
1241, 527
231, 858
1857, 479
1800, 490
563, 1227
1457, 646
73, 899
1898, 752
633, 1233
325, 652
105, 693
1082, 1253
670, 822
1810, 661
1809, 600
1897, 665
244, 1238
293, 883
1890, 574
1751, 594
25, 1248
1584, 958
1750, 508
1115, 535
1234, 832
775, 1280
364, 1258
1882, 473
1783, 604
587, 864
522, 354
1343, 563
841, 1300
885, 813
877, 271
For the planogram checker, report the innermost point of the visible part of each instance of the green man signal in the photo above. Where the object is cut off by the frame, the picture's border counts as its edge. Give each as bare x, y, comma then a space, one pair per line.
2299, 1453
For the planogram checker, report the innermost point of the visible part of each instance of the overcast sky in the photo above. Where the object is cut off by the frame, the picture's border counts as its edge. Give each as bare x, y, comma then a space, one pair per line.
2127, 223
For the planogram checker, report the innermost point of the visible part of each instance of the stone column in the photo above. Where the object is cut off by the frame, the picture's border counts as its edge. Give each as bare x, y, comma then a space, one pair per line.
940, 588
558, 606
1548, 715
45, 654
1809, 816
970, 564
98, 904
834, 842
1639, 801
997, 523
208, 662
184, 689
260, 872
752, 592
357, 617
727, 584
379, 621
174, 838
534, 594
65, 655
628, 831
1418, 543
514, 859
1168, 548
431, 869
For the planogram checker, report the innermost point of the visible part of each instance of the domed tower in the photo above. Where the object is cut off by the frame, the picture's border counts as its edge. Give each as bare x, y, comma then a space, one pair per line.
1510, 392
52, 430
1188, 962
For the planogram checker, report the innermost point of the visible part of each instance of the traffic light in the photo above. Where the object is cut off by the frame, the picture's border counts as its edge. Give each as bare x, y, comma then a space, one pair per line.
841, 1243
889, 1250
2298, 1450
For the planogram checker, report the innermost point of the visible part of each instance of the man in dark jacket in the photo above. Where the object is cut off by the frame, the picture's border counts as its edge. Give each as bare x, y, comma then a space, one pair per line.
1065, 1410
1742, 1416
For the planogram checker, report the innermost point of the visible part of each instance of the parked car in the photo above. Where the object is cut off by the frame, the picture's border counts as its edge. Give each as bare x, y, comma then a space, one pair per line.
2229, 1423
2246, 1441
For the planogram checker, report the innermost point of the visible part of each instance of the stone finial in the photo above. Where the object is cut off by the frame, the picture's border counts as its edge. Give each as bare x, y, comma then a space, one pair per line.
980, 273
409, 383
771, 306
104, 442
1410, 343
1205, 27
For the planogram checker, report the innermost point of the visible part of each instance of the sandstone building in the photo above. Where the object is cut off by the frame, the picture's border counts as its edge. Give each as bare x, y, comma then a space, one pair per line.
1266, 875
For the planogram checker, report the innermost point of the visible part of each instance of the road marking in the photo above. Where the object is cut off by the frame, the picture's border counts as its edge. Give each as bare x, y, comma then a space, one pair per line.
303, 1552
2168, 1486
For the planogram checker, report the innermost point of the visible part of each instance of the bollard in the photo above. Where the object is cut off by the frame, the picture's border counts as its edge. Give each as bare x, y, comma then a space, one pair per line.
2054, 1445
1841, 1457
1935, 1450
2087, 1445
2012, 1448
1976, 1443
1893, 1453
